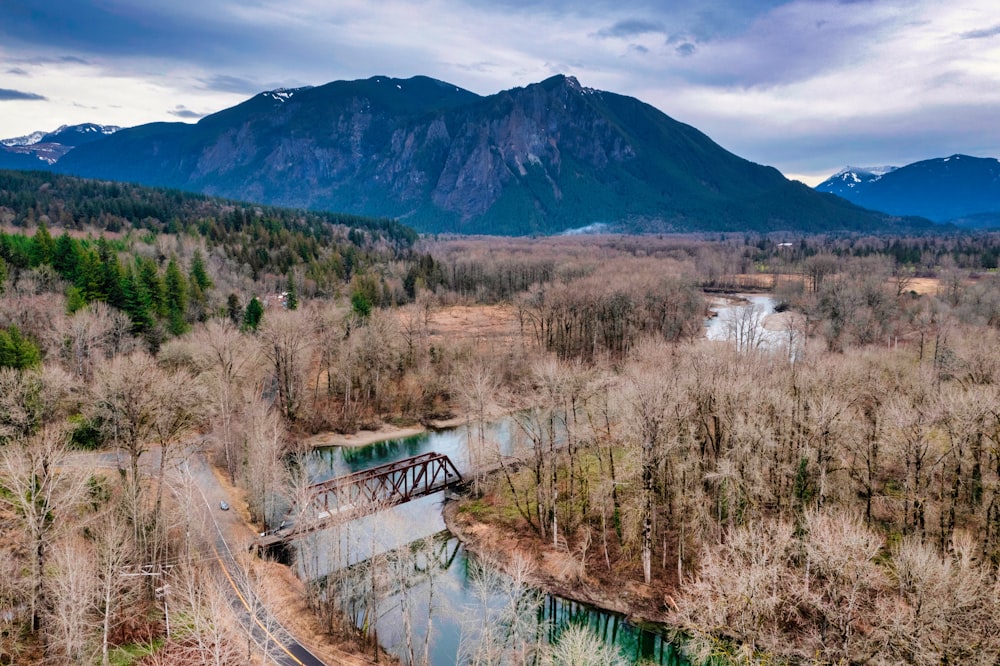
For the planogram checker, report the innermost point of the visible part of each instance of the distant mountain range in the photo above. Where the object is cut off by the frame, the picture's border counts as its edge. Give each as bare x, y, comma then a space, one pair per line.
39, 150
546, 158
959, 189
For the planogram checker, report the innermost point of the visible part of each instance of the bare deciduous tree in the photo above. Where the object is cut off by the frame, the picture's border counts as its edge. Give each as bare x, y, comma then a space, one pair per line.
38, 490
72, 588
286, 338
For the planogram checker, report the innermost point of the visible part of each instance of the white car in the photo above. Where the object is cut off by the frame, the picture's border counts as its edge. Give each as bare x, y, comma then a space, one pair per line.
223, 505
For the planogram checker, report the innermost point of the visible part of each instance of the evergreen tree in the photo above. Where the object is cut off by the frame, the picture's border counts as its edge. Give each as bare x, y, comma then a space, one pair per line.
361, 304
42, 246
111, 274
197, 302
16, 351
292, 297
175, 298
74, 300
137, 304
151, 286
66, 257
253, 314
234, 309
198, 273
89, 277
3, 275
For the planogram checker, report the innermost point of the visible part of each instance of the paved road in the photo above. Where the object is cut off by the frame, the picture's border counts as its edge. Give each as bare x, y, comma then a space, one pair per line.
276, 643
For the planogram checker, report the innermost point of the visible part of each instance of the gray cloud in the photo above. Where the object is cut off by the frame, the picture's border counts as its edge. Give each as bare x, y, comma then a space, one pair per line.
8, 95
982, 34
119, 27
233, 84
710, 62
631, 28
182, 111
790, 44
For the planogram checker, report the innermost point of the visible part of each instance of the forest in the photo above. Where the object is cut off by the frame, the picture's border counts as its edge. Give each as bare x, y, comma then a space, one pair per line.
823, 493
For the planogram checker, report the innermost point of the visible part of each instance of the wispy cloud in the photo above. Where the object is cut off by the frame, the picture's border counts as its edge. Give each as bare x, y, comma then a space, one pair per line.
984, 33
233, 84
8, 95
632, 27
53, 60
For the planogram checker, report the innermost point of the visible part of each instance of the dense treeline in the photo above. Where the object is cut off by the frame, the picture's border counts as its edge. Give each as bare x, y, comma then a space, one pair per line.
94, 271
329, 247
75, 203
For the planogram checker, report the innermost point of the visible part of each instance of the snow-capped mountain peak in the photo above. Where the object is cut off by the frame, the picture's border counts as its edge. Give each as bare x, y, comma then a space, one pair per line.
858, 172
851, 178
49, 147
84, 129
26, 140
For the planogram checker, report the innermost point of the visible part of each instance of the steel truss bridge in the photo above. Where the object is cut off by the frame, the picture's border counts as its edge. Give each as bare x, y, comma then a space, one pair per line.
351, 496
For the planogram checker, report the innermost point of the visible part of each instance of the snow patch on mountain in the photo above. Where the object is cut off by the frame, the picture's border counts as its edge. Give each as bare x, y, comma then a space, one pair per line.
283, 94
84, 128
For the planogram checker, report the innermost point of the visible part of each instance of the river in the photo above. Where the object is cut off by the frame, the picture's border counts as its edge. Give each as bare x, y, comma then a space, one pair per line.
449, 588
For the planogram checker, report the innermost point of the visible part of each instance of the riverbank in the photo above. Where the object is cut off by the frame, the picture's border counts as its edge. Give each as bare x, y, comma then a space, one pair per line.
556, 572
383, 433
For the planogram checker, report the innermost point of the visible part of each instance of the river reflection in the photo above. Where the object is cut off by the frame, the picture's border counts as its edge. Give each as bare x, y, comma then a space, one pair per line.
435, 585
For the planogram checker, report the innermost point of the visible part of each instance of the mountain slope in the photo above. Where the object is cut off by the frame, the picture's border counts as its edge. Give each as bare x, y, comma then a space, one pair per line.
540, 159
953, 188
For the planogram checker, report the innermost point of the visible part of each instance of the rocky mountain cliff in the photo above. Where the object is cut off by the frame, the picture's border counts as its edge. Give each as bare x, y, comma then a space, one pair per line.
546, 158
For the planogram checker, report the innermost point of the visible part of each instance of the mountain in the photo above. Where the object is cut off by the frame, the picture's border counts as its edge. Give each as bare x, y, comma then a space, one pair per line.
545, 158
851, 178
960, 189
77, 135
39, 150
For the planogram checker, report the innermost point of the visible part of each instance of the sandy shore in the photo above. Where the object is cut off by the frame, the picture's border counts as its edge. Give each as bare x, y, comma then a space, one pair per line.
366, 437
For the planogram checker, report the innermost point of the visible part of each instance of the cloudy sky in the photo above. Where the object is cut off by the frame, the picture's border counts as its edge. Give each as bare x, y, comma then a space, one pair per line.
807, 86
